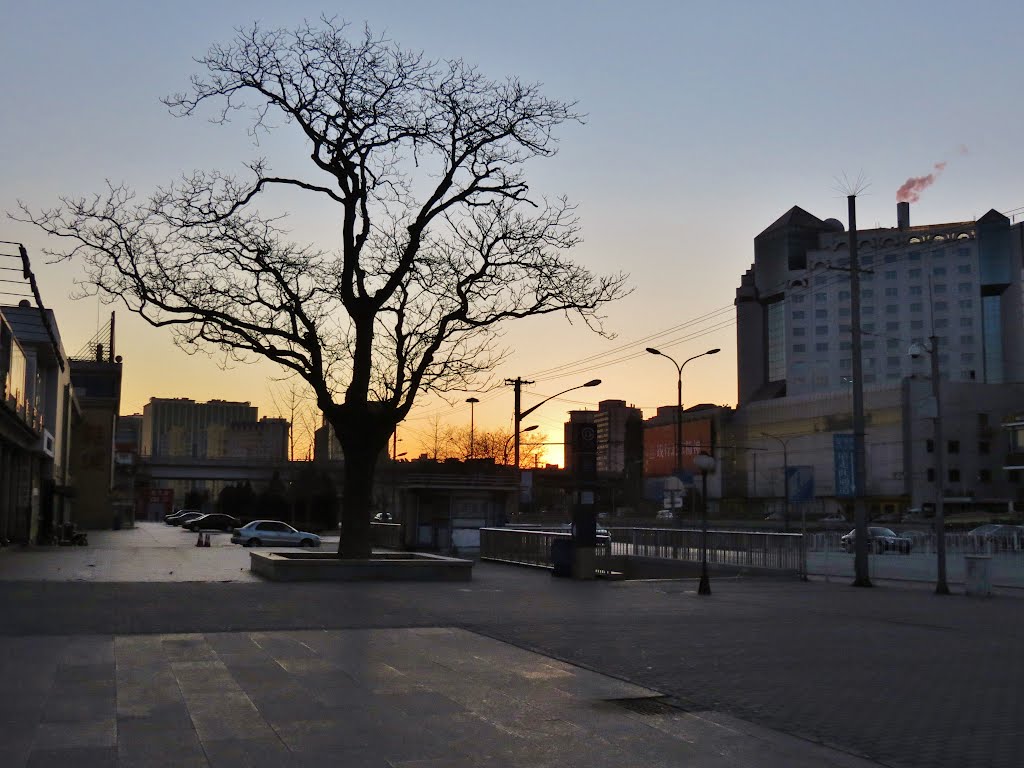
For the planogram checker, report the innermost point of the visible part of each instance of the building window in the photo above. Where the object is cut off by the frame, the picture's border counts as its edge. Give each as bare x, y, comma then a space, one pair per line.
798, 331
799, 348
892, 290
867, 293
892, 362
892, 325
869, 378
964, 287
777, 341
953, 446
867, 260
845, 295
890, 274
963, 269
845, 345
821, 314
844, 327
982, 420
1013, 475
941, 306
929, 445
821, 346
967, 339
939, 271
892, 344
821, 297
796, 298
915, 290
966, 322
914, 256
914, 272
953, 475
868, 344
916, 325
845, 311
798, 314
984, 447
821, 279
844, 364
821, 330
931, 475
991, 329
942, 322
969, 304
984, 475
892, 309
939, 288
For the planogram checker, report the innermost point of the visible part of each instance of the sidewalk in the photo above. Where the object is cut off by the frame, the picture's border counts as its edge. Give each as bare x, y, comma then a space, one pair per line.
514, 668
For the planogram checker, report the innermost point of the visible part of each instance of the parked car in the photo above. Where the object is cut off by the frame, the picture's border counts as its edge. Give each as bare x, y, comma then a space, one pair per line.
185, 517
171, 518
260, 532
880, 540
665, 514
835, 517
383, 517
216, 521
917, 538
997, 536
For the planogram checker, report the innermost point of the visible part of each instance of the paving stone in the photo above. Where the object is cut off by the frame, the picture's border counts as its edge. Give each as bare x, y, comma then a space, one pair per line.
80, 733
80, 757
248, 753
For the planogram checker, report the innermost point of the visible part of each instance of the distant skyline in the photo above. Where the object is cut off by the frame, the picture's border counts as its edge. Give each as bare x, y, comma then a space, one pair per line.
704, 125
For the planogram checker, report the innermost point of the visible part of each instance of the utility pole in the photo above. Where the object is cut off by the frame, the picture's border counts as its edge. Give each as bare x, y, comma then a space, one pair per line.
860, 558
517, 383
941, 587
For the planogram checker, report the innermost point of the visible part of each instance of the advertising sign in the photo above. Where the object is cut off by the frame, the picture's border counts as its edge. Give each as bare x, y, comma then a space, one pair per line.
660, 447
843, 458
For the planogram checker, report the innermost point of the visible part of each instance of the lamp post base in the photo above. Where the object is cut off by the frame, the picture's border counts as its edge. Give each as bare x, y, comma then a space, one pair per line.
704, 588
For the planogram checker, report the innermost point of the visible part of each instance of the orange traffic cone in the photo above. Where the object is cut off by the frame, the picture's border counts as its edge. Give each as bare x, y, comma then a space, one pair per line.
199, 541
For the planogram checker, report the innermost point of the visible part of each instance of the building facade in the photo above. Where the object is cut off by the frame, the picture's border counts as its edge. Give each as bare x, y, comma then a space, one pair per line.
951, 290
184, 428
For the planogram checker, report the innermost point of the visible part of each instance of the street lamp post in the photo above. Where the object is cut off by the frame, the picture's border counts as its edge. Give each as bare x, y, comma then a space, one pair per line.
472, 406
679, 399
785, 513
705, 463
510, 438
520, 415
941, 585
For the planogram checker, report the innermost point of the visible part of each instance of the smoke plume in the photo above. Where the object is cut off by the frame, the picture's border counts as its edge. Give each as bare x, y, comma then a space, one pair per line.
912, 188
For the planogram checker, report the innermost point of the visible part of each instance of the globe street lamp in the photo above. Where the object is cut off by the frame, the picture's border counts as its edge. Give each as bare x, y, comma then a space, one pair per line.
520, 415
472, 405
705, 463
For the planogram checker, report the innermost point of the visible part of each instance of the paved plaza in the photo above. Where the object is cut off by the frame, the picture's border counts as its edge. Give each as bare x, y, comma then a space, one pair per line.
513, 668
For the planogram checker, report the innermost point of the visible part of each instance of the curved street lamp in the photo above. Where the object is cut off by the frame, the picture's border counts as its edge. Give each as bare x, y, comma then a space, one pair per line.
520, 415
509, 439
679, 398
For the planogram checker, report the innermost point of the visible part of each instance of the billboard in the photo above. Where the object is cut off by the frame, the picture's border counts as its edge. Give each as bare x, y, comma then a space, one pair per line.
660, 447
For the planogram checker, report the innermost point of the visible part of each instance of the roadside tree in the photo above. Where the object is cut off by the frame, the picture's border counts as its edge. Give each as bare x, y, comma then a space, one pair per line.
439, 238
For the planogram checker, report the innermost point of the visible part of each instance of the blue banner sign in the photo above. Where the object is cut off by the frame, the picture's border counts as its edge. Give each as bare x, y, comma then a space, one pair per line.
801, 484
844, 458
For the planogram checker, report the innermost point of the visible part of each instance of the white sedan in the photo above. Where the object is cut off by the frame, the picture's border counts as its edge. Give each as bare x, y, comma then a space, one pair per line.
260, 532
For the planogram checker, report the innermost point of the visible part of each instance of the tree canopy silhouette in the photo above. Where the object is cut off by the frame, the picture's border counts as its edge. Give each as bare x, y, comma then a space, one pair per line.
440, 238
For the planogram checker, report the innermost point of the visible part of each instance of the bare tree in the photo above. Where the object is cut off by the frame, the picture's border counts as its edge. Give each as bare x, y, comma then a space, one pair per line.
492, 444
293, 402
440, 239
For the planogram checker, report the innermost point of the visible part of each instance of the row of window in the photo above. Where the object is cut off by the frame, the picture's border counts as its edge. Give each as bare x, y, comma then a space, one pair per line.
869, 309
953, 475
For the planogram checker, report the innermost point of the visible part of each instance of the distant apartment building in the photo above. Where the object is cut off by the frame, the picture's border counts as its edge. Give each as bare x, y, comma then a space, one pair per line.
184, 428
619, 436
957, 284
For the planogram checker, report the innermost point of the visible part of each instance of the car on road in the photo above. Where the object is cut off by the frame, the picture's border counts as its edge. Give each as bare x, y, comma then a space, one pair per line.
177, 514
185, 517
383, 517
215, 521
995, 536
879, 540
665, 514
259, 533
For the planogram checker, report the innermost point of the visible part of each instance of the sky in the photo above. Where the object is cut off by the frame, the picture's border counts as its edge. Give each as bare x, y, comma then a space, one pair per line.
705, 122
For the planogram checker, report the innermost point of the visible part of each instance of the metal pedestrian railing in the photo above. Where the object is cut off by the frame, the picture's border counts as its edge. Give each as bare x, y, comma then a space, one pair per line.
753, 549
529, 547
386, 535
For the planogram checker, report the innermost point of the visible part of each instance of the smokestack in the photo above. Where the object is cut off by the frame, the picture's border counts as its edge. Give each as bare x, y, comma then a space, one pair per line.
903, 215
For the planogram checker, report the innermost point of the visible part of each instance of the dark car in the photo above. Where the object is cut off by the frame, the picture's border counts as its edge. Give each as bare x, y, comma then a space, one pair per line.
879, 540
187, 517
215, 521
994, 536
172, 518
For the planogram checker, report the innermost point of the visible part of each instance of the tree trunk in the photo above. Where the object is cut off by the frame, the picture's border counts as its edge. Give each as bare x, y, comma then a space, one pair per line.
357, 502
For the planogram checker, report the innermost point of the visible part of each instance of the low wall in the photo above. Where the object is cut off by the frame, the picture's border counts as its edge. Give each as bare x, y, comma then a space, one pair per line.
327, 566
